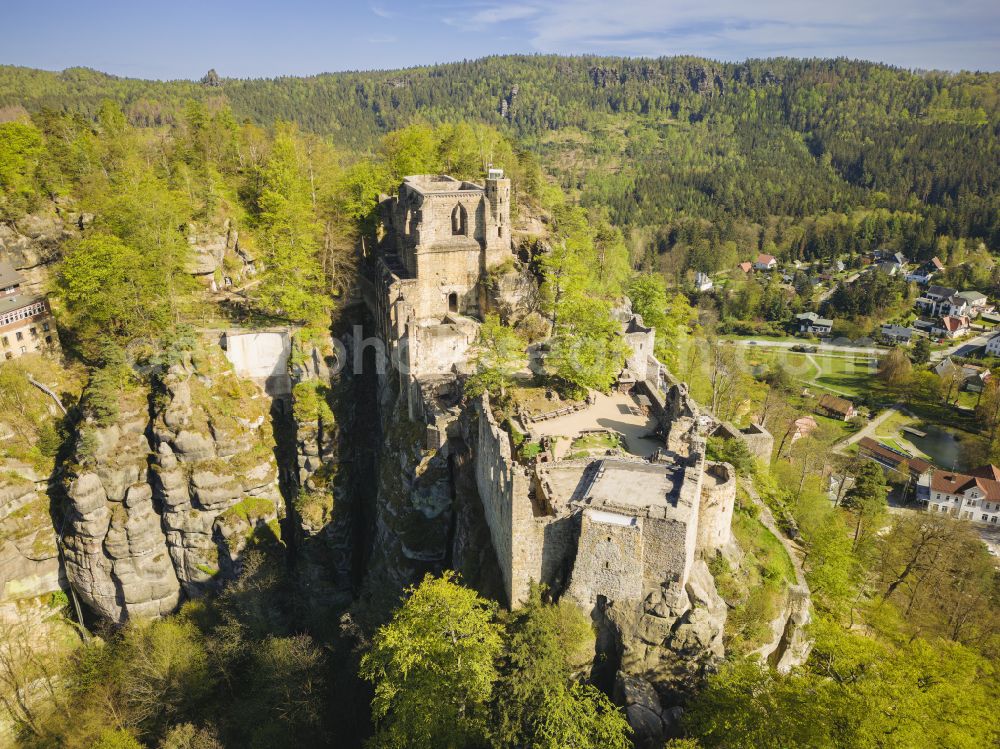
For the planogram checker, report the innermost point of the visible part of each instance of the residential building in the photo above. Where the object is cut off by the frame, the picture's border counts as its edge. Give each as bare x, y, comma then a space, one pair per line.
934, 299
889, 268
993, 345
765, 262
950, 326
924, 273
810, 322
26, 323
896, 334
972, 496
892, 459
746, 267
836, 407
702, 282
972, 377
968, 303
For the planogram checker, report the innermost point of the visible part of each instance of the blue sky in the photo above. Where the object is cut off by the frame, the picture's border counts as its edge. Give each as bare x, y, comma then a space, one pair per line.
183, 39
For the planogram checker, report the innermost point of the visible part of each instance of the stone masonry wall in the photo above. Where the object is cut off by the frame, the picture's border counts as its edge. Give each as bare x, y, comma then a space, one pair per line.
718, 496
608, 553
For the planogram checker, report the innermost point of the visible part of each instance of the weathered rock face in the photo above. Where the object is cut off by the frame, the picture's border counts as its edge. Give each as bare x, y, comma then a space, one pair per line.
116, 554
29, 559
29, 422
789, 645
669, 639
163, 502
513, 293
214, 469
216, 255
323, 406
34, 241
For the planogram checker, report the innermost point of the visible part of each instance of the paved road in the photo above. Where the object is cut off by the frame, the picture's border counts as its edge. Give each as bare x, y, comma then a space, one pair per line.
868, 430
962, 348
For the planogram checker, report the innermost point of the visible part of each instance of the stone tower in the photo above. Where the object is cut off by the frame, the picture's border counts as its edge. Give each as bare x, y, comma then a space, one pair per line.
497, 217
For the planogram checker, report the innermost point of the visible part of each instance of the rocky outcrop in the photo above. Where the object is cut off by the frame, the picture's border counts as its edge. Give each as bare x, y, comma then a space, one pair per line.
163, 501
651, 723
116, 555
215, 473
216, 255
29, 438
29, 559
513, 293
323, 407
34, 242
670, 640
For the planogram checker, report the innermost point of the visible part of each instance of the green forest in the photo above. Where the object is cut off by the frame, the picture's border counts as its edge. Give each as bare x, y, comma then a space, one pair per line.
630, 175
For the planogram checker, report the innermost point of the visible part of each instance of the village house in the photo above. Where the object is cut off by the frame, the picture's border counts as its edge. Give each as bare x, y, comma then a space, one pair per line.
942, 301
836, 407
935, 299
896, 334
972, 377
765, 262
746, 266
26, 323
993, 345
968, 303
810, 322
950, 327
702, 282
903, 464
972, 496
924, 273
889, 268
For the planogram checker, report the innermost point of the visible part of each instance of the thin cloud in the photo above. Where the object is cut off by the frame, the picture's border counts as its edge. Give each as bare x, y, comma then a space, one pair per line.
492, 15
381, 12
927, 33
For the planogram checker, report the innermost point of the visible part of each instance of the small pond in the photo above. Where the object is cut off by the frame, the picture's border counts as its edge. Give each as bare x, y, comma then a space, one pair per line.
940, 445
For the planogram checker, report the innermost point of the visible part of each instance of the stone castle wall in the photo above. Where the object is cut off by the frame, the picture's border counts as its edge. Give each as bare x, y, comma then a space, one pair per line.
609, 558
530, 547
715, 516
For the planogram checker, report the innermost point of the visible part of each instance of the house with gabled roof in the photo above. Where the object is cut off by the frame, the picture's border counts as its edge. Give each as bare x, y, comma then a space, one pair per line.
836, 407
765, 262
26, 323
973, 495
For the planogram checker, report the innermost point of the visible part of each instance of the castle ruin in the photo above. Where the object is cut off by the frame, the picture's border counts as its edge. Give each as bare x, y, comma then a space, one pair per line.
620, 527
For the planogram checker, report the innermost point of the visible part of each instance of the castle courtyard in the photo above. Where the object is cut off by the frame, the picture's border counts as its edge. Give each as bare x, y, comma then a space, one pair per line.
618, 412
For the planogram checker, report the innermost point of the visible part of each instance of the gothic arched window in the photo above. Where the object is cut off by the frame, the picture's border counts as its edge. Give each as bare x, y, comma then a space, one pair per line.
459, 220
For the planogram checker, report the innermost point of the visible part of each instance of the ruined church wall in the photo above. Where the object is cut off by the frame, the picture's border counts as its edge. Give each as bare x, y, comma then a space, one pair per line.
440, 272
665, 559
503, 489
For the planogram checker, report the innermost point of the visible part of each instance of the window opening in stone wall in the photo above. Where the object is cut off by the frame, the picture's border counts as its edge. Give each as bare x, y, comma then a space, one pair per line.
459, 220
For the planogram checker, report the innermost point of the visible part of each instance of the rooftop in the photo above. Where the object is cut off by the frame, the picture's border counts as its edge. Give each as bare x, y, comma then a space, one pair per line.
638, 486
432, 183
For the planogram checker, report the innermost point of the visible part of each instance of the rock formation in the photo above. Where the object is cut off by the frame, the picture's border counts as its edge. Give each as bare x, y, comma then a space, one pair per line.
165, 499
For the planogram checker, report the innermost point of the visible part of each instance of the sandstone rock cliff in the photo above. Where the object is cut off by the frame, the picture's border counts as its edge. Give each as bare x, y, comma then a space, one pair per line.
164, 500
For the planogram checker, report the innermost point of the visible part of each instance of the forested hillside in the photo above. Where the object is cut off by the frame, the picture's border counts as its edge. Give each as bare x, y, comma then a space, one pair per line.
700, 158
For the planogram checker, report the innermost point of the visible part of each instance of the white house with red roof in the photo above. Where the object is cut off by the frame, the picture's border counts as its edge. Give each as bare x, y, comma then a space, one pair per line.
973, 496
765, 262
951, 326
